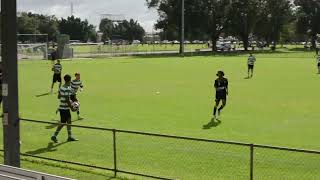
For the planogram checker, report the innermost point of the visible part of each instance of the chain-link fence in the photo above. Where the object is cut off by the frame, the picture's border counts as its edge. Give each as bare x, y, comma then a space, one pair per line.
170, 157
97, 50
282, 163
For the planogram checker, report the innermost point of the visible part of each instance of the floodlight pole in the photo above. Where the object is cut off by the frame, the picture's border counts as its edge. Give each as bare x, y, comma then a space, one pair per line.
11, 127
182, 29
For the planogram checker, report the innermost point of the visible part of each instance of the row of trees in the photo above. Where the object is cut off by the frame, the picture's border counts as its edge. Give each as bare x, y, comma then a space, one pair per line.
266, 20
29, 23
127, 30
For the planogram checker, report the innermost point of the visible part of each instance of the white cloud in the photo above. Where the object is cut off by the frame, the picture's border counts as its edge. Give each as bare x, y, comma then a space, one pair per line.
91, 9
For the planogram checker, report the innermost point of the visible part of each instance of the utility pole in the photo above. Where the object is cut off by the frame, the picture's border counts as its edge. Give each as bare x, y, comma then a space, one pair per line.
71, 8
11, 127
182, 29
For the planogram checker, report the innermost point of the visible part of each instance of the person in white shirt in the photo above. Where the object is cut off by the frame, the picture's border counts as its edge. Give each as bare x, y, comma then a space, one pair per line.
251, 61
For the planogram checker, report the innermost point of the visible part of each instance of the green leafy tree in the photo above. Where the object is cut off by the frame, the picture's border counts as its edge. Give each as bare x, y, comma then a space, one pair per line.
216, 17
29, 23
76, 28
244, 15
128, 30
169, 17
106, 27
204, 19
308, 15
276, 15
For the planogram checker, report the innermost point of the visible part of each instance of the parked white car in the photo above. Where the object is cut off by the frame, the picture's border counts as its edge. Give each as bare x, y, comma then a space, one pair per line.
223, 46
176, 42
136, 42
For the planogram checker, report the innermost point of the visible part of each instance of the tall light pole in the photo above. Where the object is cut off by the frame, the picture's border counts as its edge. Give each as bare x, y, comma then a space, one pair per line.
11, 127
182, 29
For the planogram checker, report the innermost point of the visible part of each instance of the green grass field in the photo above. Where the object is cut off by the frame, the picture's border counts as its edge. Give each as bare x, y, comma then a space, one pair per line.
279, 107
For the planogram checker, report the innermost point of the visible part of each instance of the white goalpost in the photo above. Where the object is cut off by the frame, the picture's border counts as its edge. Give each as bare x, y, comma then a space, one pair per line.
33, 51
32, 46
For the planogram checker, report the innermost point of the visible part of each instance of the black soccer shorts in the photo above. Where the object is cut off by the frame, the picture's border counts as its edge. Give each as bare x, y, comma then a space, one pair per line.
56, 77
65, 115
250, 66
221, 96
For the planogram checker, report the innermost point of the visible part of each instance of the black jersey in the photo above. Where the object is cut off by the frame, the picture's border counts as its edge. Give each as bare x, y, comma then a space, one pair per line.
221, 85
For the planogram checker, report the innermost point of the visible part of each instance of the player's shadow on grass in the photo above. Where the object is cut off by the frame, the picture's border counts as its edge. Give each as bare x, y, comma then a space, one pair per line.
50, 148
51, 126
212, 124
45, 94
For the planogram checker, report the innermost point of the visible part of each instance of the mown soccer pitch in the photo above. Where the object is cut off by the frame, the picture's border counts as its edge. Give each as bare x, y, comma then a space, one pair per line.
278, 106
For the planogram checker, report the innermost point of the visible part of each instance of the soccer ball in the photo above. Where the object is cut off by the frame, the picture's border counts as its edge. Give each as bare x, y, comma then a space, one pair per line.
75, 106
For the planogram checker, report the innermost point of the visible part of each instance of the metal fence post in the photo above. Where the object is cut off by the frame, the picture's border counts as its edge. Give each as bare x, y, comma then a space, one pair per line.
251, 161
114, 152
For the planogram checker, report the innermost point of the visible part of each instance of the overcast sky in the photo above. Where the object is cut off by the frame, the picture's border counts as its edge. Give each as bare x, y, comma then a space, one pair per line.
91, 9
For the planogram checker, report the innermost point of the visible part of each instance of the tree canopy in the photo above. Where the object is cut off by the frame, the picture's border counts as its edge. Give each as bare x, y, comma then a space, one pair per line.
265, 20
126, 30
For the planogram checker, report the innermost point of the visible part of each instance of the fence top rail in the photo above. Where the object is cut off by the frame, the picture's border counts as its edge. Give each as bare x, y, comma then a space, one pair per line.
180, 137
72, 125
287, 149
140, 133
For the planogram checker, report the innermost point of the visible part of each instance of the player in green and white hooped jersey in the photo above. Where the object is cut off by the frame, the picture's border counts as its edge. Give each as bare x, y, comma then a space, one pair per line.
64, 109
251, 61
76, 85
318, 62
56, 68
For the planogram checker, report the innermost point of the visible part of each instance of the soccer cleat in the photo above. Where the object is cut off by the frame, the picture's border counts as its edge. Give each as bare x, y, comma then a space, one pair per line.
80, 118
54, 139
72, 139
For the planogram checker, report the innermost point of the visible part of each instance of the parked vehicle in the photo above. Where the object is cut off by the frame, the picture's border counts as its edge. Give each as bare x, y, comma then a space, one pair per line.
136, 42
176, 42
223, 46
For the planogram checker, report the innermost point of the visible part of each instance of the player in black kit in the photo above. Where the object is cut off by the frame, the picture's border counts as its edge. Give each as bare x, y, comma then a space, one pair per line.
221, 86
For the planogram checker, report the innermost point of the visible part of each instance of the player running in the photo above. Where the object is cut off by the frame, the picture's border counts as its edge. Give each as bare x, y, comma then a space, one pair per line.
56, 68
64, 109
251, 61
318, 61
221, 86
76, 85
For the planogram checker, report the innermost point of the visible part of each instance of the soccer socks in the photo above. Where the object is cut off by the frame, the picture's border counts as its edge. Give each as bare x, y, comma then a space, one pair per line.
219, 110
69, 131
58, 130
214, 111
